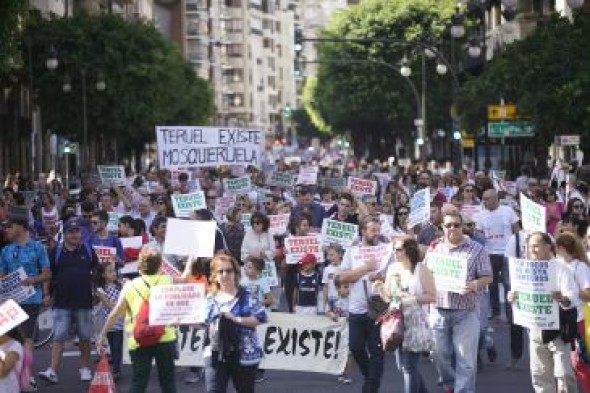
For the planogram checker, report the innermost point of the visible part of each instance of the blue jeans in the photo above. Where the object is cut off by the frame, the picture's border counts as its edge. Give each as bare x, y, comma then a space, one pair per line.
62, 320
115, 339
365, 344
456, 334
407, 363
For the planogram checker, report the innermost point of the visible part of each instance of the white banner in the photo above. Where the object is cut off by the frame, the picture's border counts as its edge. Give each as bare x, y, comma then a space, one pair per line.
533, 281
190, 238
177, 304
532, 215
297, 246
237, 186
278, 223
192, 147
11, 287
112, 175
419, 208
450, 273
11, 315
308, 175
185, 204
361, 187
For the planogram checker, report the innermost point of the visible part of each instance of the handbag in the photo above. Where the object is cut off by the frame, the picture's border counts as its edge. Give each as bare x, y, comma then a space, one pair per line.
376, 306
392, 329
418, 336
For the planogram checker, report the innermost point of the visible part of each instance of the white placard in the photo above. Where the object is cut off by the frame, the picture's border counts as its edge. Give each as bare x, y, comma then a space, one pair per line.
177, 304
185, 204
361, 187
105, 254
11, 315
132, 242
11, 287
308, 175
532, 215
381, 252
297, 246
419, 208
278, 223
469, 211
192, 147
450, 273
190, 238
112, 175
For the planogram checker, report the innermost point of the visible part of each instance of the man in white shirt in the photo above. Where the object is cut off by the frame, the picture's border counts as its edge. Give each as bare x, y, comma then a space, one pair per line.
497, 223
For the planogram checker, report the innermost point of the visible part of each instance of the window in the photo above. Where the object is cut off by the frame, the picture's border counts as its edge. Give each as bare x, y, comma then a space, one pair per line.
234, 26
233, 75
234, 50
233, 3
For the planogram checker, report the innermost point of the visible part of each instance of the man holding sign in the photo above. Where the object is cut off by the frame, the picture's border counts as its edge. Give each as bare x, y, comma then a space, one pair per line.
461, 269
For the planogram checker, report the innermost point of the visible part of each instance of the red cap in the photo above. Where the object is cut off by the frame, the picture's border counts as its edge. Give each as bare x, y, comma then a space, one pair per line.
308, 258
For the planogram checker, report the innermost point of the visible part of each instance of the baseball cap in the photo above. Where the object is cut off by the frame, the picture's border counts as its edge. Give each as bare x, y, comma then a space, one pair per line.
307, 259
72, 224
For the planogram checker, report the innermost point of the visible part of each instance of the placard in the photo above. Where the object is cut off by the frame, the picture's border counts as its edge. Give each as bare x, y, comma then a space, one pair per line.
469, 211
269, 273
246, 217
237, 186
222, 205
308, 175
281, 179
190, 238
177, 304
131, 242
112, 175
11, 315
278, 223
335, 183
381, 252
105, 254
297, 246
185, 204
11, 287
534, 281
419, 208
339, 232
193, 147
361, 187
113, 224
450, 273
167, 268
510, 187
532, 215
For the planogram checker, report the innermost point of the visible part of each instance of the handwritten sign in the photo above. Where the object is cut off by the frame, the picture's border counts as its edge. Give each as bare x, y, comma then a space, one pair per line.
278, 223
281, 179
308, 175
361, 187
297, 246
192, 147
450, 273
533, 281
11, 315
381, 252
339, 232
419, 208
269, 273
112, 174
105, 254
238, 185
11, 287
532, 215
177, 304
335, 183
185, 204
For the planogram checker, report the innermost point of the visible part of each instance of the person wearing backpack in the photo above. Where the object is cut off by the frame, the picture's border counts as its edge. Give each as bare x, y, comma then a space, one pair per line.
73, 264
146, 342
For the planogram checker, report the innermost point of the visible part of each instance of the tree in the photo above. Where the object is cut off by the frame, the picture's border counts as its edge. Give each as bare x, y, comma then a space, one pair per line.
12, 14
148, 81
547, 75
369, 100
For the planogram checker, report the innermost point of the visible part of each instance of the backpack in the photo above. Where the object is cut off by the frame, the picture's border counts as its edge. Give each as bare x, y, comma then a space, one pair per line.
145, 334
60, 246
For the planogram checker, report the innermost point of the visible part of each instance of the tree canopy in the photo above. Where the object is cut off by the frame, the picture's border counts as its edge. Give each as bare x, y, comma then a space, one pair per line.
12, 15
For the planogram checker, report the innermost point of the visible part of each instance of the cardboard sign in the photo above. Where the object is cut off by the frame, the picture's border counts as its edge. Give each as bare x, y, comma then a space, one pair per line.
339, 232
11, 315
11, 287
281, 179
335, 183
419, 208
533, 281
308, 175
450, 273
105, 254
190, 238
237, 186
297, 246
177, 304
361, 187
278, 223
185, 204
193, 147
532, 215
112, 175
289, 342
381, 252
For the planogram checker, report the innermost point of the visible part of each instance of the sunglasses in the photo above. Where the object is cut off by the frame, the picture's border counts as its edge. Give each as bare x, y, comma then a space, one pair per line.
577, 206
453, 225
266, 203
226, 271
402, 213
469, 224
398, 249
93, 222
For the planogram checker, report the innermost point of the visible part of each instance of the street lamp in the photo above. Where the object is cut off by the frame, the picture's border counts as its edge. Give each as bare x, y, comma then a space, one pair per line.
51, 63
474, 49
405, 70
441, 68
457, 27
67, 84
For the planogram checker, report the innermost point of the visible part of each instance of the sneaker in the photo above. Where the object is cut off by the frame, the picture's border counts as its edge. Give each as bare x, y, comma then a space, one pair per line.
192, 377
492, 354
49, 375
85, 374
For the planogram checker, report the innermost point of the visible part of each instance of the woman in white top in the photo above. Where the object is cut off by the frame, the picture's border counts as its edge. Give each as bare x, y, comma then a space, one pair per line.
409, 279
11, 361
258, 242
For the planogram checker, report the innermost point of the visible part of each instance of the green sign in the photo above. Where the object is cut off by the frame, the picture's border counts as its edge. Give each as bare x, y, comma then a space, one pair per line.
510, 129
339, 232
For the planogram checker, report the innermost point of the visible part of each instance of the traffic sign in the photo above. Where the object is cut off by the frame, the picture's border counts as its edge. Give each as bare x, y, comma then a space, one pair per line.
510, 129
567, 140
501, 112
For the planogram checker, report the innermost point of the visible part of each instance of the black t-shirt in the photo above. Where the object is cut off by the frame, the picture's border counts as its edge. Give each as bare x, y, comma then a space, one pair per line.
72, 277
351, 219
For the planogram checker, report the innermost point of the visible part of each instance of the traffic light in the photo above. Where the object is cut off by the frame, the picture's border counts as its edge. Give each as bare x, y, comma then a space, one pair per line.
298, 45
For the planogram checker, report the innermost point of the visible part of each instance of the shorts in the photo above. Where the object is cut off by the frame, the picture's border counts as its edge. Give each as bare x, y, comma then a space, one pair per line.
62, 321
27, 328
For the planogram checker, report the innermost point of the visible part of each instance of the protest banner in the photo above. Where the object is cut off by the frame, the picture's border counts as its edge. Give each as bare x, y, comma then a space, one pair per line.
335, 183
105, 254
532, 215
246, 217
190, 238
112, 175
11, 315
236, 186
185, 204
361, 187
177, 304
281, 179
11, 287
308, 175
278, 223
450, 273
419, 208
193, 147
237, 170
339, 232
534, 281
222, 204
297, 246
381, 252
469, 211
289, 342
113, 225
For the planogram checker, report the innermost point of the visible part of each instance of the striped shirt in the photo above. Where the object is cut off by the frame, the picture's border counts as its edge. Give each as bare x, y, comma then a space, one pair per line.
478, 265
112, 293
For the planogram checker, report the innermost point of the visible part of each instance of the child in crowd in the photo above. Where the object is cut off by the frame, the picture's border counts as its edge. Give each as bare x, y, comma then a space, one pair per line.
307, 286
334, 254
11, 361
108, 292
257, 285
338, 308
